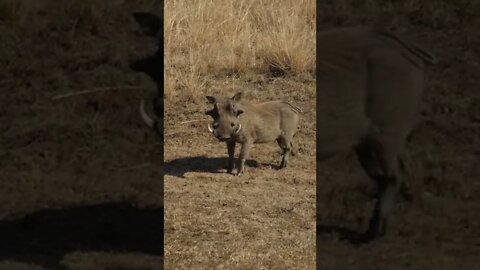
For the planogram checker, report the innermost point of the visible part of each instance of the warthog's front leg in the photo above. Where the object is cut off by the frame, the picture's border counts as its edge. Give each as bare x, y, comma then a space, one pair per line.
243, 157
231, 156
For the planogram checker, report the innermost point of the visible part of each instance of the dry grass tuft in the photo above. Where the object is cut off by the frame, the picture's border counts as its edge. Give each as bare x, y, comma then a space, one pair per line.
91, 16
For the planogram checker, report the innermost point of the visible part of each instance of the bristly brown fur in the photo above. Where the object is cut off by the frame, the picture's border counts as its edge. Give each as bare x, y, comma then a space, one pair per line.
369, 89
238, 121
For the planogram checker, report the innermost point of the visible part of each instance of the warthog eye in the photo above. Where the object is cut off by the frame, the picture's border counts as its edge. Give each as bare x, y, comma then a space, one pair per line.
232, 124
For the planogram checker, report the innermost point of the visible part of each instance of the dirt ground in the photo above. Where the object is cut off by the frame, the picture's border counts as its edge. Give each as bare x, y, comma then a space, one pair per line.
443, 232
262, 220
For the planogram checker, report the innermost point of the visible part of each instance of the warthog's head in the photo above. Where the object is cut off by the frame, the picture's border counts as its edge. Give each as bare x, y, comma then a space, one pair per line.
151, 25
152, 66
225, 114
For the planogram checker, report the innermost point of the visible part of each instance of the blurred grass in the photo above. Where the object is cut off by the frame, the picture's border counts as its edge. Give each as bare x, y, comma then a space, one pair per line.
222, 39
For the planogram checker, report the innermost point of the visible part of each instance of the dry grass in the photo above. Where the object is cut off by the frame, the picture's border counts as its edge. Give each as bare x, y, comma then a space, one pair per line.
219, 38
438, 14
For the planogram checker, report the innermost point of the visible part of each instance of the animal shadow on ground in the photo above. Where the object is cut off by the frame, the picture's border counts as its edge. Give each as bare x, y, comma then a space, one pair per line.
45, 237
178, 167
344, 234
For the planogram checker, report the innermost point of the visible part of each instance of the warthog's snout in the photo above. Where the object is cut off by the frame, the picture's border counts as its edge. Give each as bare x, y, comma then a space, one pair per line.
220, 135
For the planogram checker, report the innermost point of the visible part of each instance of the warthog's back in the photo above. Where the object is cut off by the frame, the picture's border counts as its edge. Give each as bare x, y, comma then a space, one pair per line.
368, 80
267, 120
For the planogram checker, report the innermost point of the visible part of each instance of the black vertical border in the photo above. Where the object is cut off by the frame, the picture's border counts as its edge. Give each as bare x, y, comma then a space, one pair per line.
161, 126
317, 23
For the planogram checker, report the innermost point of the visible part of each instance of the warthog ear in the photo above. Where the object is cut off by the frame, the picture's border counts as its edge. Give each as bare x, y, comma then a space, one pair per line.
149, 23
237, 96
211, 99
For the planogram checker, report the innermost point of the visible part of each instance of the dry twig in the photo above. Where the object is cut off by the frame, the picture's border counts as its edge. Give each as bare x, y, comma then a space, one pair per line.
101, 89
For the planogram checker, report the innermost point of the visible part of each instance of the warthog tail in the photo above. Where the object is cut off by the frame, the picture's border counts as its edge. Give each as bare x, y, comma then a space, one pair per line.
412, 48
294, 108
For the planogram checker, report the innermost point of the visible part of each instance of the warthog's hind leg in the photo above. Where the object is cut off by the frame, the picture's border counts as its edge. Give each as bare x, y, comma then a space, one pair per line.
380, 164
292, 149
285, 145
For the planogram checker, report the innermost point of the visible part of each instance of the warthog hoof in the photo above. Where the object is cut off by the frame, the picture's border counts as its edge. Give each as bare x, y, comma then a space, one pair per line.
367, 237
377, 229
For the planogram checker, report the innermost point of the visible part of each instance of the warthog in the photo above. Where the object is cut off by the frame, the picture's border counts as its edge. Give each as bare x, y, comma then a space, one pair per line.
151, 25
238, 121
369, 89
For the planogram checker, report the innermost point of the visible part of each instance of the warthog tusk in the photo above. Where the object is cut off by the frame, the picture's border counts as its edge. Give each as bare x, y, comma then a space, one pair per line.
210, 127
149, 121
239, 127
